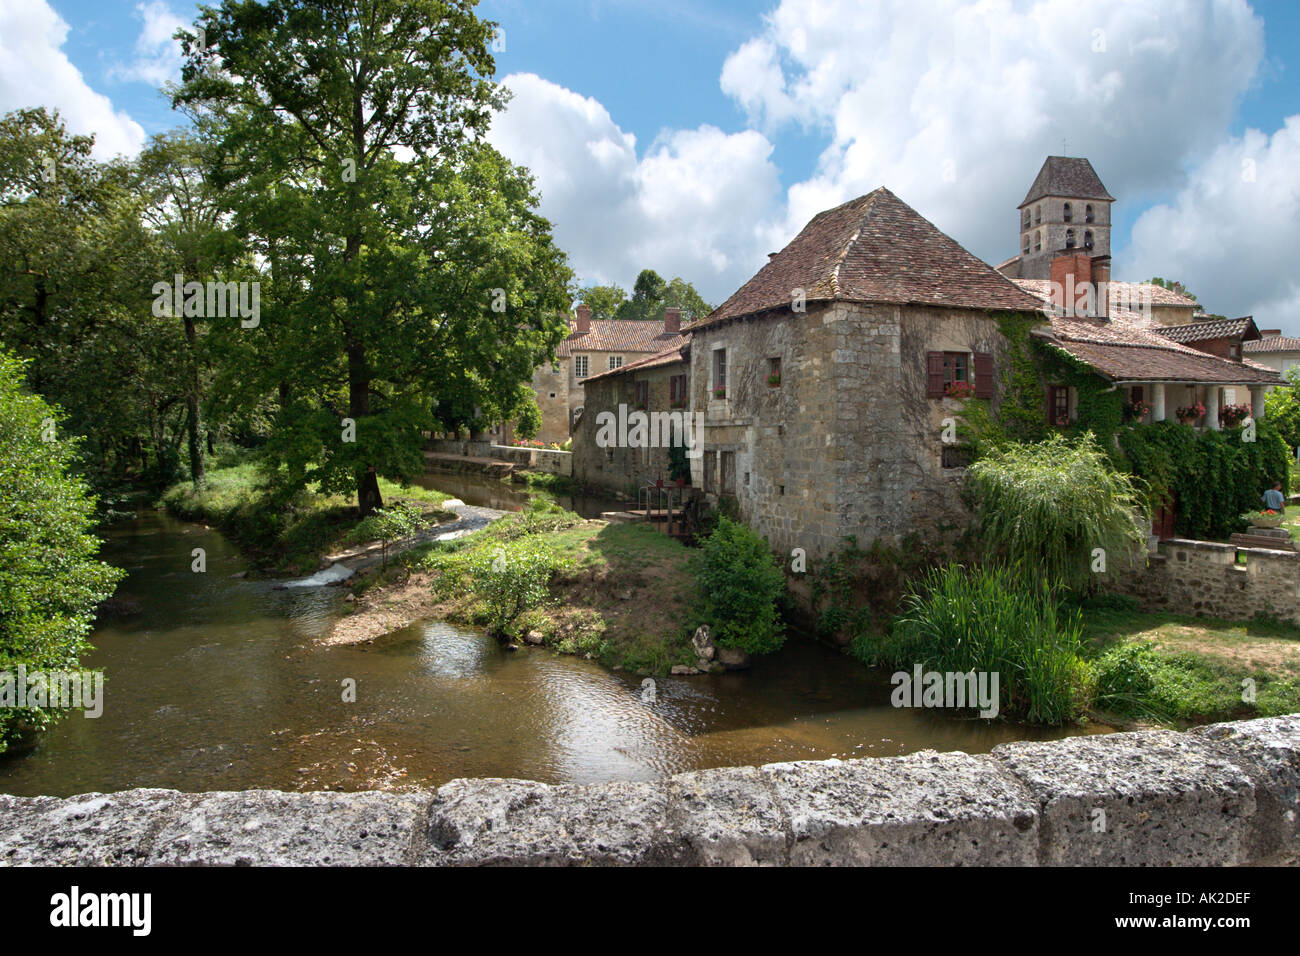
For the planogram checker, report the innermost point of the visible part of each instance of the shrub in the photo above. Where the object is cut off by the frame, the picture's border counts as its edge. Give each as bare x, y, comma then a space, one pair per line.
1047, 506
388, 524
740, 584
507, 577
50, 580
992, 620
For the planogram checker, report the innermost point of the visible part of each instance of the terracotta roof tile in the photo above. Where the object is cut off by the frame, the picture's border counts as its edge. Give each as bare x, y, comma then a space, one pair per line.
666, 357
1142, 364
1210, 329
875, 248
620, 335
1274, 343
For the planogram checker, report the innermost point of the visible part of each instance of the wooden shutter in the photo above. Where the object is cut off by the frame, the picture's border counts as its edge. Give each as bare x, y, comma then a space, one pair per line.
934, 374
983, 375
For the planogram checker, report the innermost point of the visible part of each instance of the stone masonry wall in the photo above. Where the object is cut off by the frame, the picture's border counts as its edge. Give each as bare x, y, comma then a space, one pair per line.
1227, 794
620, 469
1204, 578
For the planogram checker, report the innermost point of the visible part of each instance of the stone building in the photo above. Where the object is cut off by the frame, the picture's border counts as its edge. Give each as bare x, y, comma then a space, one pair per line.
828, 379
592, 347
655, 386
1066, 208
1277, 351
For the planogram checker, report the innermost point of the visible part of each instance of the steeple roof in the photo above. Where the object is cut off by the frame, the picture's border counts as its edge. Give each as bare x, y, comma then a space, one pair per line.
1067, 176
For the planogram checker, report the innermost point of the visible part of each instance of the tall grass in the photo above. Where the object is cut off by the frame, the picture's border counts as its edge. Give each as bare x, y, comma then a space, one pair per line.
987, 620
1048, 506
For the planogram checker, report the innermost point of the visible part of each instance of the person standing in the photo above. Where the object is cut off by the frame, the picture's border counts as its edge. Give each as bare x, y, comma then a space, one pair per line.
1273, 499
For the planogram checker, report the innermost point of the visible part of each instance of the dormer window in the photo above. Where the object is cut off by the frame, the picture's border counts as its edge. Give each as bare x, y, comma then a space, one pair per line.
1087, 240
1087, 213
1069, 213
1069, 238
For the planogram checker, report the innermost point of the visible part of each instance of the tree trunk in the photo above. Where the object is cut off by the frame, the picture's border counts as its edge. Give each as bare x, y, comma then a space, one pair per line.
197, 473
368, 497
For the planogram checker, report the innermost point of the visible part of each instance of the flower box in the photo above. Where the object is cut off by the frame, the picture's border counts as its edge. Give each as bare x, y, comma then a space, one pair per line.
1266, 519
719, 393
959, 390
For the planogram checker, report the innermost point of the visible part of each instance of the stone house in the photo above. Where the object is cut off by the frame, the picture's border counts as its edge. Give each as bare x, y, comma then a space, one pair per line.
1279, 352
655, 386
594, 346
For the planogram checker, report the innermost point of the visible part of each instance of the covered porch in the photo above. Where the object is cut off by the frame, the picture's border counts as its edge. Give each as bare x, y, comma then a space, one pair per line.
1223, 404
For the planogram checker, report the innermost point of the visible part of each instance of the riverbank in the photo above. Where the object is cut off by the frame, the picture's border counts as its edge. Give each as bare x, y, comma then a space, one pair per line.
619, 594
289, 537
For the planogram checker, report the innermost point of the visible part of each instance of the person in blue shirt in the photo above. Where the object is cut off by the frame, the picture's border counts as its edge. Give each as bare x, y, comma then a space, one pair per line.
1273, 499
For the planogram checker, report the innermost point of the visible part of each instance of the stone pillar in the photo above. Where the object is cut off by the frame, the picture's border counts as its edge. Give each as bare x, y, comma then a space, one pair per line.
1158, 402
1257, 402
1212, 407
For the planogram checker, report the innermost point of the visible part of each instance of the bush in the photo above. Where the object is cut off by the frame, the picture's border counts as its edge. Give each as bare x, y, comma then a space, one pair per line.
990, 620
388, 524
740, 584
50, 580
1047, 506
508, 577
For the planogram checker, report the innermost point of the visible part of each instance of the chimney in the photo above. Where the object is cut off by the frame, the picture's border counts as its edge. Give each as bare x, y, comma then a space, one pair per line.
1072, 290
1101, 280
672, 321
584, 319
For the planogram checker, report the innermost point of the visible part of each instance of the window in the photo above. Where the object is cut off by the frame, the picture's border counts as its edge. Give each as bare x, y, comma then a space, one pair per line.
719, 373
580, 366
1026, 225
1087, 213
615, 361
1026, 243
1069, 213
1038, 241
955, 456
1069, 238
677, 391
1087, 239
1038, 213
552, 394
774, 372
642, 395
728, 472
1058, 405
710, 471
945, 371
956, 368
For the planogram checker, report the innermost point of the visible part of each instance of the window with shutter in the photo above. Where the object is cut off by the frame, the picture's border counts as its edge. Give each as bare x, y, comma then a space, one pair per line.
983, 375
934, 374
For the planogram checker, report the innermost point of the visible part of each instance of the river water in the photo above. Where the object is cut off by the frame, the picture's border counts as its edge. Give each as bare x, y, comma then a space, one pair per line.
219, 684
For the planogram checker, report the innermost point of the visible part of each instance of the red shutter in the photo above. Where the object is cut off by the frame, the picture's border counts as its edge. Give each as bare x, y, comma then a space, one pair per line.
983, 375
934, 374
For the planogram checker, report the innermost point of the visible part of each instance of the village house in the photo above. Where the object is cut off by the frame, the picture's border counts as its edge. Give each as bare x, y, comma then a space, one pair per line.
1272, 348
829, 383
592, 347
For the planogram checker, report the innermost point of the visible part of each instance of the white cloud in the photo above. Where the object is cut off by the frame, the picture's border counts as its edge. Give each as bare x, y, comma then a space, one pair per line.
694, 205
953, 104
158, 57
34, 71
1232, 230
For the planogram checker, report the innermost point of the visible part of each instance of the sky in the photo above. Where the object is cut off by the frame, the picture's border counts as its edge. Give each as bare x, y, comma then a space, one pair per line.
694, 137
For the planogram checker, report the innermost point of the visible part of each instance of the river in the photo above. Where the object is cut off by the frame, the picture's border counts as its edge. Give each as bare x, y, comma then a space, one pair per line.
219, 684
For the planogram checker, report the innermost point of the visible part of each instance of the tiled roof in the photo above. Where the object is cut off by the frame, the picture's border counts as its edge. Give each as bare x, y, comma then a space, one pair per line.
1068, 177
1143, 364
667, 357
1127, 299
875, 248
1274, 343
1209, 329
620, 335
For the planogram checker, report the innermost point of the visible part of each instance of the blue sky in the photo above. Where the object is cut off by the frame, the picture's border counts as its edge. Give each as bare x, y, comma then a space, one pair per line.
695, 137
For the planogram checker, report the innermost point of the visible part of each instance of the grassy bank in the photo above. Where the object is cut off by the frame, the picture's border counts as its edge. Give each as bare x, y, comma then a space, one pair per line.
619, 594
287, 536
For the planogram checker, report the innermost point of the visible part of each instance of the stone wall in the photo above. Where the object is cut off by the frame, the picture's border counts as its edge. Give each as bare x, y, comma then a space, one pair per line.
848, 444
1227, 794
1205, 578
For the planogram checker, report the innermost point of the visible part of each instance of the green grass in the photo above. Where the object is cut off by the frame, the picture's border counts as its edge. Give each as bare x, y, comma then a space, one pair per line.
287, 536
1175, 669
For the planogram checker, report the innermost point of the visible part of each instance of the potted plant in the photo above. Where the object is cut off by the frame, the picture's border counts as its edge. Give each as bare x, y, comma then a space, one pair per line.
1267, 519
1136, 410
774, 380
1188, 414
1230, 416
720, 392
959, 389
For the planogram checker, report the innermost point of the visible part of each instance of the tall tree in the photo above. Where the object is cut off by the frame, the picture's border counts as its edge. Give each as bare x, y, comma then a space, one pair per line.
350, 141
603, 300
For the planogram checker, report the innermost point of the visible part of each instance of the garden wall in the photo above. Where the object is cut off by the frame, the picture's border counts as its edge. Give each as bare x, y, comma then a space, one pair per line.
1204, 578
1227, 794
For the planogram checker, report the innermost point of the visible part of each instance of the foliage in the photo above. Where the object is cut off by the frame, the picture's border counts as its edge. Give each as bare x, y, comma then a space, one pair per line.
603, 300
415, 286
1048, 506
651, 295
1282, 408
1172, 286
740, 584
50, 580
398, 521
1217, 476
991, 620
509, 578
